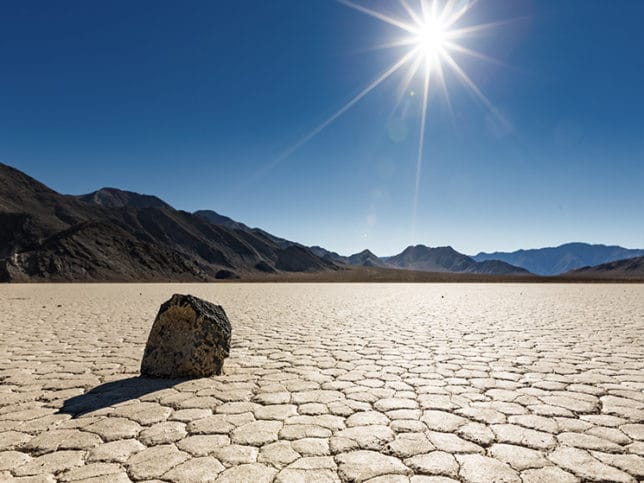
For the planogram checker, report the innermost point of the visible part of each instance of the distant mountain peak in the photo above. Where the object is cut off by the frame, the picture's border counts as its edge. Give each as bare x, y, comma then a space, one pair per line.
446, 259
420, 248
366, 252
365, 258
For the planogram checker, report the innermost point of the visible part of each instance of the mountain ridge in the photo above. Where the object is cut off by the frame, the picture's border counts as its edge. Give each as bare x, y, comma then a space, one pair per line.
112, 234
562, 258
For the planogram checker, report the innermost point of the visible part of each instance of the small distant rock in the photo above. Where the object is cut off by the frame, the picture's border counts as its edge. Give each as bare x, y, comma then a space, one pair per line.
190, 337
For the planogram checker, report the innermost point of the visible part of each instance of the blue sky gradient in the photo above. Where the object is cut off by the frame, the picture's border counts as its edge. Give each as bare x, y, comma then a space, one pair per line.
194, 103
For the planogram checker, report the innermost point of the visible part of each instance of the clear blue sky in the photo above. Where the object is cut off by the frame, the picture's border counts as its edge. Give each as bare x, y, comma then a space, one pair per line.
192, 101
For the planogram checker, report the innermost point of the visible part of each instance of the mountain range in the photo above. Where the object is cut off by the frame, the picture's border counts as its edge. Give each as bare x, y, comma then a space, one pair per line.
561, 259
114, 235
446, 259
117, 235
565, 259
424, 258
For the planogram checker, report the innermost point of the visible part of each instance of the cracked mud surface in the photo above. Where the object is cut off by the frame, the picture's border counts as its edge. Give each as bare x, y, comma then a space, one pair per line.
379, 383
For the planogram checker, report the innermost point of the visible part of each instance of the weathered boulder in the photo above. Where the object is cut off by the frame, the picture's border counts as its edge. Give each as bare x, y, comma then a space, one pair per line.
190, 337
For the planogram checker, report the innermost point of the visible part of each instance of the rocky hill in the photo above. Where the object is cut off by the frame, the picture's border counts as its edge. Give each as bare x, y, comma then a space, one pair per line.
630, 268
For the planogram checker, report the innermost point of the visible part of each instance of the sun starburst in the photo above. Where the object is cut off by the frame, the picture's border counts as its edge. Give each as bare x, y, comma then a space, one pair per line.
431, 35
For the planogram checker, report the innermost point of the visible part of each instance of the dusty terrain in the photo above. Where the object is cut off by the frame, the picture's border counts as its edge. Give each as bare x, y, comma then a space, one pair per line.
381, 383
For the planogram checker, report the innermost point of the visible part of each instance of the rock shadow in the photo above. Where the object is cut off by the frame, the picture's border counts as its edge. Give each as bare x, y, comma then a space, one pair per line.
115, 392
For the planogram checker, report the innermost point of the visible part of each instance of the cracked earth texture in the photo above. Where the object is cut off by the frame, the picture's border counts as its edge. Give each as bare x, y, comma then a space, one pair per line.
378, 383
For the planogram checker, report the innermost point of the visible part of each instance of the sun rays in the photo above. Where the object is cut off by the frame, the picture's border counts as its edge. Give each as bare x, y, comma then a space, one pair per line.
430, 36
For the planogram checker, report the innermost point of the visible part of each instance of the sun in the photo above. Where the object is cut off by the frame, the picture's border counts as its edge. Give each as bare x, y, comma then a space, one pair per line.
433, 34
431, 39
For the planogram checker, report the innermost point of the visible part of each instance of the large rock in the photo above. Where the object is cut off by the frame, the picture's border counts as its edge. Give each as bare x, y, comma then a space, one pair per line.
189, 338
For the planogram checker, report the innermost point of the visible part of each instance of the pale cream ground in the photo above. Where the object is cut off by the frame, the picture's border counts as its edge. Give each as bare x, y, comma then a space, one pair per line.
381, 383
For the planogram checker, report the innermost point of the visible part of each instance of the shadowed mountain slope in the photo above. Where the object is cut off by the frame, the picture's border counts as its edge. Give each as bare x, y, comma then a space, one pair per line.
118, 235
630, 268
329, 255
556, 260
217, 219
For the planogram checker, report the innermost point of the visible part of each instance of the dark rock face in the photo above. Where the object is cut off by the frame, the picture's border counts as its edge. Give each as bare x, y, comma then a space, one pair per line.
190, 337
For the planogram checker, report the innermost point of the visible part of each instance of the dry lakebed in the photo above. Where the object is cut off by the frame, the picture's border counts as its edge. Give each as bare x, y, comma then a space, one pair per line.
329, 382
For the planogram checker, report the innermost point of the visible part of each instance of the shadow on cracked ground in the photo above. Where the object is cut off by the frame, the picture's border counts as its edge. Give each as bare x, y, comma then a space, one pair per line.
115, 392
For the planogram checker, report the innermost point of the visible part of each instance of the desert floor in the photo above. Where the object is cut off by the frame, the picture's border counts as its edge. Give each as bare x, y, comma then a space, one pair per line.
379, 383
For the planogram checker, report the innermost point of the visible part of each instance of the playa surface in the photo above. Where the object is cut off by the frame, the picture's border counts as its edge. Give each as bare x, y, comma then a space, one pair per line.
381, 382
